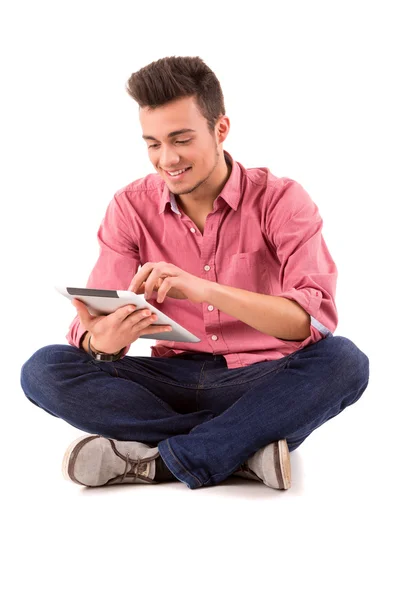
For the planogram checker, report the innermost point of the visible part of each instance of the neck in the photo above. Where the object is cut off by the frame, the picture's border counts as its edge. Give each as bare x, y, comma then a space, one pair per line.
201, 200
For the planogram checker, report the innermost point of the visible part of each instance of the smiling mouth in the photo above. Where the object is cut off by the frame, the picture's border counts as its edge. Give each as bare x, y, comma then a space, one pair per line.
181, 175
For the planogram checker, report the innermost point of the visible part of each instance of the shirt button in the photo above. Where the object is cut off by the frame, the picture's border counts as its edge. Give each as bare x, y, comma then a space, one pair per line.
210, 307
214, 337
207, 268
192, 229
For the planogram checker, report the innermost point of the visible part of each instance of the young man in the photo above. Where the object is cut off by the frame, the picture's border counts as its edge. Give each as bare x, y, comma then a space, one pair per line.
237, 257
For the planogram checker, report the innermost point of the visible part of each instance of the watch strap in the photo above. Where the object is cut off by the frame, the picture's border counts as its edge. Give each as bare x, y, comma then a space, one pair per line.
103, 356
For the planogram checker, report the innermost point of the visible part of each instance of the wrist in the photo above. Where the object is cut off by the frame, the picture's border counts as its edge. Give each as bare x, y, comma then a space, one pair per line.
209, 291
83, 345
103, 356
95, 348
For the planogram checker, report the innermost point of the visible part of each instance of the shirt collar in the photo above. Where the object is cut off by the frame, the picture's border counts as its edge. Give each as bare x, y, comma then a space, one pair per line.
230, 192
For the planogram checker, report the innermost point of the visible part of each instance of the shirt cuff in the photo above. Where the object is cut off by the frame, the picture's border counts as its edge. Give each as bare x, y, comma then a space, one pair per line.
309, 298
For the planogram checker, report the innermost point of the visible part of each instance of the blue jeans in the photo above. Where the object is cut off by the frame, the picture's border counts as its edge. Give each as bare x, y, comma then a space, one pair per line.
206, 419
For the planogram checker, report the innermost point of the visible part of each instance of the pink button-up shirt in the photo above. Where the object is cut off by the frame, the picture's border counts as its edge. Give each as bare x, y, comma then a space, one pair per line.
263, 235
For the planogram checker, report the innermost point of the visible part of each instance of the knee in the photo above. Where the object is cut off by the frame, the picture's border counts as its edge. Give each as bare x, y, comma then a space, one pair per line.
33, 371
350, 362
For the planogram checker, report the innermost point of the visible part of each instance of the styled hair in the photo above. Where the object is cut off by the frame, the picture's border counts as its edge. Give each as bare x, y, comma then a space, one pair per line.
177, 77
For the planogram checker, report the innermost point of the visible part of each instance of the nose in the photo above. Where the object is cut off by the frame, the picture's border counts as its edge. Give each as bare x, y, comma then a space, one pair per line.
169, 158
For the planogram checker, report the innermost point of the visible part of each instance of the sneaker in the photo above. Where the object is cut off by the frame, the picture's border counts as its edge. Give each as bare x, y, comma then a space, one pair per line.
270, 465
93, 460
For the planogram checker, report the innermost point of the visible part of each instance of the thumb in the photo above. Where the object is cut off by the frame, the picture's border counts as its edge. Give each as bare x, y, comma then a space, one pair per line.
84, 315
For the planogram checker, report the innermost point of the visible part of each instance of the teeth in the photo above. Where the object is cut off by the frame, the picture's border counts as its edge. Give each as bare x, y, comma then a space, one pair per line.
176, 172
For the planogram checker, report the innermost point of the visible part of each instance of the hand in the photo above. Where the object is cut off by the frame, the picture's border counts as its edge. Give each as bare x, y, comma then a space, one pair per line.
110, 333
168, 280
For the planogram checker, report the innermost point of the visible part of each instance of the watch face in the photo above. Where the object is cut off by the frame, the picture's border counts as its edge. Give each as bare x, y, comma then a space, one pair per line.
106, 357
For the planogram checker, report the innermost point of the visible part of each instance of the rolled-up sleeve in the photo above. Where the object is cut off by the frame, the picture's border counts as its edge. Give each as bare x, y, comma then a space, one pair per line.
308, 274
118, 259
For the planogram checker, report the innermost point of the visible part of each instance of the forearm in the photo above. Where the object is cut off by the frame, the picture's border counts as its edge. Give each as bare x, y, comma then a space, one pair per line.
280, 317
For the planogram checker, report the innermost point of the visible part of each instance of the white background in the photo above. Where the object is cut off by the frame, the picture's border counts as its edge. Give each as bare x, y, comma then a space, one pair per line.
311, 92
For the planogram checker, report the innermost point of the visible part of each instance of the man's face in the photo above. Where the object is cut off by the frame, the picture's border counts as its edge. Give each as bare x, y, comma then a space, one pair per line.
196, 150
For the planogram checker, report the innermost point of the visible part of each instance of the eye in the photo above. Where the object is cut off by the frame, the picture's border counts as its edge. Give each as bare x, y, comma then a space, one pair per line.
178, 142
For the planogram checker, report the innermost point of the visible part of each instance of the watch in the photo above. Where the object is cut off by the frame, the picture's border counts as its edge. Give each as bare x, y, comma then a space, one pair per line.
103, 356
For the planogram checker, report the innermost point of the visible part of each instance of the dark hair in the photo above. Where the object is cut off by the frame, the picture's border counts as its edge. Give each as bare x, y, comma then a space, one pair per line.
177, 77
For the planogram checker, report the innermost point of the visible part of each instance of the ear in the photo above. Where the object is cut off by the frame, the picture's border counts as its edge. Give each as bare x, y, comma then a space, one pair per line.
223, 128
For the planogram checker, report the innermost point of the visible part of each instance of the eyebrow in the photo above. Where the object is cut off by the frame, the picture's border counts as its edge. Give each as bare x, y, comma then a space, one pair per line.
170, 135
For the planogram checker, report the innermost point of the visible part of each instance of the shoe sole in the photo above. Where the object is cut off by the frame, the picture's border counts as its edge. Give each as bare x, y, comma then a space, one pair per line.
67, 456
283, 459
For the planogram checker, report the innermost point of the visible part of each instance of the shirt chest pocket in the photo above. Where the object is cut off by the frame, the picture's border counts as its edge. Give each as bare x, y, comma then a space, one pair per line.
247, 271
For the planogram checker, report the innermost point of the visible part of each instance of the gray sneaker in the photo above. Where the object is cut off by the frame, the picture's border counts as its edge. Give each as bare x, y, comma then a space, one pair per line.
270, 465
93, 460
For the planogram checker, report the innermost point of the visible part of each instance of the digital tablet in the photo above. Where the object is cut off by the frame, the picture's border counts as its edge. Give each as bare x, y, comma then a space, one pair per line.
104, 302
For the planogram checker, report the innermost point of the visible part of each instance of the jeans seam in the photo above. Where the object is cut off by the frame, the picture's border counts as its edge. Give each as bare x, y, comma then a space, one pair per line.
278, 368
95, 363
179, 462
168, 381
199, 386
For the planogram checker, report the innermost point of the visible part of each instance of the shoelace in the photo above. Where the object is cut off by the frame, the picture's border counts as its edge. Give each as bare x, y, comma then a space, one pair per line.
137, 466
244, 467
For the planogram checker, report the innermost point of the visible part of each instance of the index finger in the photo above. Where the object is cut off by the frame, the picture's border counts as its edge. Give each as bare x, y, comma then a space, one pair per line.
140, 277
124, 311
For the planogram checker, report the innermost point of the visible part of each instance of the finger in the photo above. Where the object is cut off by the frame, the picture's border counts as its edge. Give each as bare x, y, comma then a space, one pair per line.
146, 321
140, 277
137, 288
153, 282
136, 283
163, 289
124, 311
156, 329
140, 290
157, 285
77, 303
139, 321
83, 313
